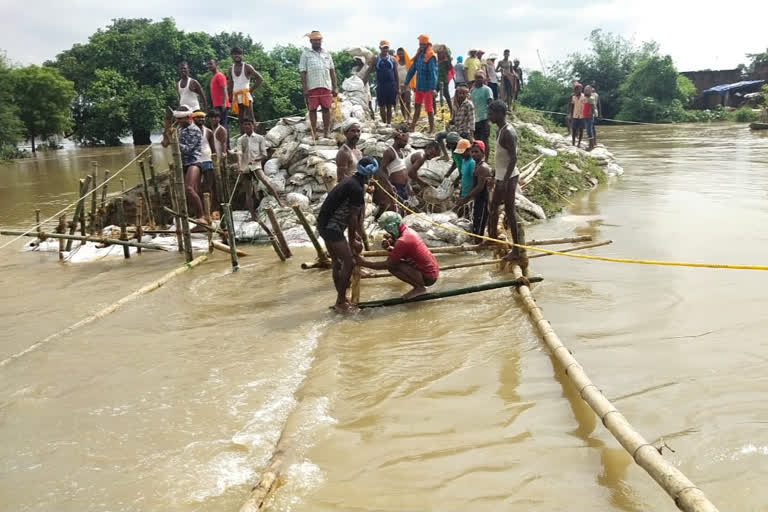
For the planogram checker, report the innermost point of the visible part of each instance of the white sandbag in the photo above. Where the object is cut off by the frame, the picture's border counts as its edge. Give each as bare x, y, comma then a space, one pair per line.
545, 151
285, 153
361, 51
299, 200
278, 133
436, 195
300, 166
292, 121
298, 178
529, 206
271, 167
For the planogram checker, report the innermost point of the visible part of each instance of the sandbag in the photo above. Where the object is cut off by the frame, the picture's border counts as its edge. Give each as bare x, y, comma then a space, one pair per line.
295, 199
278, 133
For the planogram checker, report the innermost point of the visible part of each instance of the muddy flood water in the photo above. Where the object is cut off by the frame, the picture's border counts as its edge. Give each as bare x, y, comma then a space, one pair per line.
175, 402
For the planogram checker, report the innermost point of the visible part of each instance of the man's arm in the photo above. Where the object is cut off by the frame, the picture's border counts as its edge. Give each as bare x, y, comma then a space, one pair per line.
221, 136
414, 172
482, 174
510, 144
211, 142
412, 69
334, 88
353, 223
263, 177
230, 82
343, 161
257, 78
374, 265
397, 76
304, 90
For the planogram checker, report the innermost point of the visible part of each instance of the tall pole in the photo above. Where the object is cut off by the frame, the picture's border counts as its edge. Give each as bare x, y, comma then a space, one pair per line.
181, 196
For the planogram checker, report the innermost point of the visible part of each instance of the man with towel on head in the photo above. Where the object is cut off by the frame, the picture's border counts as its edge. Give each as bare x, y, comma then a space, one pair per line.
409, 259
340, 211
425, 68
348, 154
318, 81
191, 148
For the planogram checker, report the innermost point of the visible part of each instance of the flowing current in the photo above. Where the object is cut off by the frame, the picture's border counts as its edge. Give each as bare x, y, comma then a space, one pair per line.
176, 401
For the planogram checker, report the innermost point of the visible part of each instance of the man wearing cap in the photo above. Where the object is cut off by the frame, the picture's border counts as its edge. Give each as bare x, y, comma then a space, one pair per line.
190, 147
490, 73
348, 154
462, 160
481, 97
318, 81
409, 259
424, 66
478, 191
387, 82
341, 211
471, 66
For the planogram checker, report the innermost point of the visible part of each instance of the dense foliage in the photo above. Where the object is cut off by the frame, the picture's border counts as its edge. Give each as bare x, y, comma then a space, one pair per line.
11, 128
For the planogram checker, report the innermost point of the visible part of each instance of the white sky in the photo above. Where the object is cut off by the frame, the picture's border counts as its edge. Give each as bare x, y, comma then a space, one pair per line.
697, 34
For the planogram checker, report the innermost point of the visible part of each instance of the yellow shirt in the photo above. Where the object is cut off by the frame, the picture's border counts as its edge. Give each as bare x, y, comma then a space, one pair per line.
470, 68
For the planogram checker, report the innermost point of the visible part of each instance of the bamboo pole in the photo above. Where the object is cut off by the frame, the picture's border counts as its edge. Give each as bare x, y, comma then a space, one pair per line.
78, 209
154, 285
96, 239
354, 285
227, 214
217, 184
195, 222
60, 229
686, 495
95, 166
139, 208
83, 225
268, 481
446, 293
278, 233
39, 229
273, 240
322, 257
121, 219
175, 206
457, 249
225, 248
497, 261
103, 203
556, 241
150, 215
207, 207
181, 197
158, 199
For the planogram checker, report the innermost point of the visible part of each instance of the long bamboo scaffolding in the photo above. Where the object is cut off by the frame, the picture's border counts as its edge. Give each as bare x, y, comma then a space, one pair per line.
154, 285
82, 189
225, 248
483, 263
97, 239
278, 233
181, 196
446, 293
457, 249
268, 480
686, 495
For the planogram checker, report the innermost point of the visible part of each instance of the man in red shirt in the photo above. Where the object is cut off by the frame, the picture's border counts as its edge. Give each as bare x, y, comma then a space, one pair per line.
409, 259
219, 96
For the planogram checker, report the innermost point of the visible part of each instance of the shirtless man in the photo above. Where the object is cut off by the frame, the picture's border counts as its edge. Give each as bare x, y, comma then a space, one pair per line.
206, 158
190, 91
348, 155
239, 85
507, 175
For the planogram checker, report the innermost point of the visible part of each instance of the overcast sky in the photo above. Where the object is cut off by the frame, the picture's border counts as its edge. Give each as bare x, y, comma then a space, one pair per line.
698, 35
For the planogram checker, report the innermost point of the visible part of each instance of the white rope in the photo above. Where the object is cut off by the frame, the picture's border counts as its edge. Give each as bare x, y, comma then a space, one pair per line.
87, 194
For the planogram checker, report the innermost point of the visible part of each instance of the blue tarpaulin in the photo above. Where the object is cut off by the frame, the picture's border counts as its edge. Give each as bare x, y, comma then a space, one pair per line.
746, 86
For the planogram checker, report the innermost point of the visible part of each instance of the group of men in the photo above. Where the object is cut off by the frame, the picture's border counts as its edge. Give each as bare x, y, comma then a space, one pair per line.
583, 110
474, 106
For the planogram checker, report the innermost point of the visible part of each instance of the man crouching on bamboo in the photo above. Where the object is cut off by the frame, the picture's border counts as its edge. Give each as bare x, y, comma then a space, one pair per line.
409, 259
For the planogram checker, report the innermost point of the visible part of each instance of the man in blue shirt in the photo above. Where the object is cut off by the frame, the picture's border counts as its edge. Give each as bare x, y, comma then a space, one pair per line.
425, 67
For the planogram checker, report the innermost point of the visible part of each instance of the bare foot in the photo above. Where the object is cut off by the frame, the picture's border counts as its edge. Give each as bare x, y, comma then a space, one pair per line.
419, 290
345, 308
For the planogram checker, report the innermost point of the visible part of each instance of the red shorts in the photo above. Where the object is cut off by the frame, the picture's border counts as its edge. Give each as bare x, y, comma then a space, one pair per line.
424, 98
319, 97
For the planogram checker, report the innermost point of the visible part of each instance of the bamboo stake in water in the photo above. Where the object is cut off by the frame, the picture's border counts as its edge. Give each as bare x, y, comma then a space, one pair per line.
158, 199
61, 229
321, 255
273, 240
181, 197
207, 206
227, 214
37, 221
96, 239
121, 219
92, 220
278, 233
150, 215
103, 205
82, 189
83, 225
175, 206
139, 208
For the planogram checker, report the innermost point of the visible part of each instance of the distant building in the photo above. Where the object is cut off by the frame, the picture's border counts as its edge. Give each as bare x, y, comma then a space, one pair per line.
725, 87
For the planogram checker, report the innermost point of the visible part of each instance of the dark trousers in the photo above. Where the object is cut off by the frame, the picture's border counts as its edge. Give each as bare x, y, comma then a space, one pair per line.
494, 89
224, 116
480, 213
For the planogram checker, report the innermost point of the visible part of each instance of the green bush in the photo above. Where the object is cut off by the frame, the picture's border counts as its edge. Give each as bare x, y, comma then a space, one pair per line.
743, 115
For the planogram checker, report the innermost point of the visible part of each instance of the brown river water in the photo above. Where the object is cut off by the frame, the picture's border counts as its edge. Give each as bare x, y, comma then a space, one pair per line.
175, 402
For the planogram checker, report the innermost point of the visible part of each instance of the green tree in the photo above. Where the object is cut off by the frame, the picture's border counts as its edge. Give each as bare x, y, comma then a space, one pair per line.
649, 90
756, 60
102, 110
11, 127
44, 100
545, 92
223, 42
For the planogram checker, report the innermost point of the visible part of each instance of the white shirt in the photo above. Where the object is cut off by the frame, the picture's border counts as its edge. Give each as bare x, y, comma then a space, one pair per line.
188, 97
252, 148
318, 66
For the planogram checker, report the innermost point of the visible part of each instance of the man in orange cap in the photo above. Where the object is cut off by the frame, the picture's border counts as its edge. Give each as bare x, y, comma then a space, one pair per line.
387, 83
425, 68
318, 80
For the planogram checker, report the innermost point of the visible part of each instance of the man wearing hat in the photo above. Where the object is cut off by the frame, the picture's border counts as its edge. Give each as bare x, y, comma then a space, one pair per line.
409, 259
318, 81
387, 83
472, 65
190, 147
478, 191
490, 74
425, 68
342, 210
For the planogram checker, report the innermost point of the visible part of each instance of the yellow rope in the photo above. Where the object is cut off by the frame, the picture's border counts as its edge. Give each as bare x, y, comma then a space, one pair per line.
579, 256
